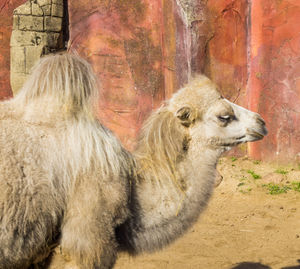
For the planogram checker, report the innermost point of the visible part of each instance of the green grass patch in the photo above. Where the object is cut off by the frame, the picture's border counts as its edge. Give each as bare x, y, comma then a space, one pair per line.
253, 174
256, 162
295, 186
274, 189
233, 159
281, 171
246, 191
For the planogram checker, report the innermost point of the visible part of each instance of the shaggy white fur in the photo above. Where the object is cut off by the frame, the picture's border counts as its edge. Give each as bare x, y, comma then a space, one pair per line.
65, 179
58, 167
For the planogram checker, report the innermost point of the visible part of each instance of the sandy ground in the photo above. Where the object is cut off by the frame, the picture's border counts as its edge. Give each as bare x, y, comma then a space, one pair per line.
244, 225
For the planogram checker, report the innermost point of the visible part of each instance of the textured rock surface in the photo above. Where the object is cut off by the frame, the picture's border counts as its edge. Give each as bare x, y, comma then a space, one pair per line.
274, 84
140, 50
144, 50
37, 29
121, 39
227, 49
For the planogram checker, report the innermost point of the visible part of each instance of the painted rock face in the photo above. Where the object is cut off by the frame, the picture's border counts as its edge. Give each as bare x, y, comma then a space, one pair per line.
144, 50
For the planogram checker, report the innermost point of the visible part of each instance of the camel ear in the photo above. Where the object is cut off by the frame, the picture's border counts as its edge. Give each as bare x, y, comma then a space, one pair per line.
186, 116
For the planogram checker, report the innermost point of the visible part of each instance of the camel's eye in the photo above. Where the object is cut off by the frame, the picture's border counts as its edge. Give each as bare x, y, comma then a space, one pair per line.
225, 118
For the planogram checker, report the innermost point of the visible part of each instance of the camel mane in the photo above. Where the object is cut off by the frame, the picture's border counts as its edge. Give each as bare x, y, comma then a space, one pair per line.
162, 143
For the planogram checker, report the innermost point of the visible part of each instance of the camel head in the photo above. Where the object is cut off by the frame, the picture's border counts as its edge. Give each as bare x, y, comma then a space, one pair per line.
211, 119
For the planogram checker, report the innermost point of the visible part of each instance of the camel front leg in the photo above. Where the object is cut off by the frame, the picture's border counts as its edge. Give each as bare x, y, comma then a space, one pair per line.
87, 235
81, 249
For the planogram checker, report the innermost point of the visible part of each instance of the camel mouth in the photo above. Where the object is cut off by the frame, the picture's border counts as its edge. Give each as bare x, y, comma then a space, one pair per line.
232, 142
251, 136
255, 135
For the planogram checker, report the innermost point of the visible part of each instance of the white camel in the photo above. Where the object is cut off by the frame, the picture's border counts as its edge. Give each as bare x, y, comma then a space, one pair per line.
65, 179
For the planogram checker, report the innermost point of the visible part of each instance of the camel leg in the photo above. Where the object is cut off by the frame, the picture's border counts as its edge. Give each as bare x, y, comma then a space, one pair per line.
25, 241
28, 226
88, 238
60, 260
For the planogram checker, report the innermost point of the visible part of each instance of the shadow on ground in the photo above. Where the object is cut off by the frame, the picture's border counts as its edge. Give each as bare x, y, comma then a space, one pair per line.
254, 265
293, 267
251, 265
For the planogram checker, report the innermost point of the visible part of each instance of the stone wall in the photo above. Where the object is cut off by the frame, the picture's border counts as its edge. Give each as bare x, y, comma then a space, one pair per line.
6, 22
37, 30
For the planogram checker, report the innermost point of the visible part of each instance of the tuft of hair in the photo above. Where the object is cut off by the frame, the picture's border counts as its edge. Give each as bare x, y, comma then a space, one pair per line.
198, 93
64, 81
162, 143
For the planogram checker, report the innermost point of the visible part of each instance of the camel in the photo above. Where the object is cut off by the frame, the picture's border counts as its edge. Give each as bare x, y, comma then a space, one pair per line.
67, 182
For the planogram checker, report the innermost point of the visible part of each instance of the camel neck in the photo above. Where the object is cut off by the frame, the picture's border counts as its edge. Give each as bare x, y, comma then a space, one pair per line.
166, 205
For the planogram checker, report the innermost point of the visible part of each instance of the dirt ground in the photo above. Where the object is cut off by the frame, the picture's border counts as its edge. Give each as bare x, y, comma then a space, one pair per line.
252, 222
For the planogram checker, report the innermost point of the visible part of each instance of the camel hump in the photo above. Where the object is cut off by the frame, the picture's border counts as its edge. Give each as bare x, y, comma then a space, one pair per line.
64, 81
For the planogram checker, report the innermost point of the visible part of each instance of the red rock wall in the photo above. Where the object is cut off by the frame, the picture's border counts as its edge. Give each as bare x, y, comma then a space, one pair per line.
274, 84
6, 21
226, 52
144, 50
227, 49
122, 40
140, 50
